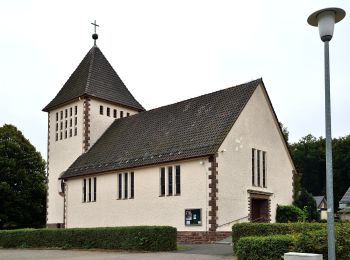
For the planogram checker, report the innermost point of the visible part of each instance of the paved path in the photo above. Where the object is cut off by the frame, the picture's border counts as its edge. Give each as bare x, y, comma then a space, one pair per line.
186, 252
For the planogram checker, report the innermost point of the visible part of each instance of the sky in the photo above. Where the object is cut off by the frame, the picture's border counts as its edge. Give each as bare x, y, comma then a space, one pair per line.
166, 51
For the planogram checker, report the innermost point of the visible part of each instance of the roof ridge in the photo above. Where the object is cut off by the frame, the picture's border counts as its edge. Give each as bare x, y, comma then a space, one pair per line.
90, 68
210, 93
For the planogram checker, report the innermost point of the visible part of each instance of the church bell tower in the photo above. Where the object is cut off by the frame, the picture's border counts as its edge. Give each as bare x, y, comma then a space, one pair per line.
87, 104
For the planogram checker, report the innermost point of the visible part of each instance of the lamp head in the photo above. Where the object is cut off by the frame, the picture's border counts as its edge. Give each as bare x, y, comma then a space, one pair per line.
325, 20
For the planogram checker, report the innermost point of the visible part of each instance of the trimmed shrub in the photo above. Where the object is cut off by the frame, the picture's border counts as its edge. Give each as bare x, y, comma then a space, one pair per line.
264, 248
289, 213
139, 238
267, 229
316, 242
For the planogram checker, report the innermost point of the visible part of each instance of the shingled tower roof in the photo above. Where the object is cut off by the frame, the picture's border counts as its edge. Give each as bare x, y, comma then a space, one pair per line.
95, 77
192, 128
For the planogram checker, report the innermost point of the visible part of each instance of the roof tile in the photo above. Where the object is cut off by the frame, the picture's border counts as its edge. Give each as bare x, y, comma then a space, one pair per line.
95, 77
191, 128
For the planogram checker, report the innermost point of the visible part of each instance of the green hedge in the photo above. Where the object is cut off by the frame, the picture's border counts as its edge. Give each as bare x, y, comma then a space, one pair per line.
289, 213
308, 238
264, 248
141, 238
316, 242
267, 229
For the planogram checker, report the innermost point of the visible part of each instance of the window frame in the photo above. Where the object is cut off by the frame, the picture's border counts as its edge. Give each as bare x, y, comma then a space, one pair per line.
162, 182
177, 180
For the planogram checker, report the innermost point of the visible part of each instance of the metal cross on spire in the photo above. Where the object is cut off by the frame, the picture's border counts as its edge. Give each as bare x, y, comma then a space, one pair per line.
95, 35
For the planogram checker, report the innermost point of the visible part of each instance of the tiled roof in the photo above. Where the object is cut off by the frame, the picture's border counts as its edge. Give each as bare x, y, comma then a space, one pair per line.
95, 77
192, 128
318, 200
346, 198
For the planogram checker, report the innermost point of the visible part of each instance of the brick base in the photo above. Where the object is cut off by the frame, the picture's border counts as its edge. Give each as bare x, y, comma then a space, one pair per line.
55, 225
201, 237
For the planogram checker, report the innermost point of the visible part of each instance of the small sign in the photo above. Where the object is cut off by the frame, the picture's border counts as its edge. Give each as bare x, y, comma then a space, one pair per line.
193, 217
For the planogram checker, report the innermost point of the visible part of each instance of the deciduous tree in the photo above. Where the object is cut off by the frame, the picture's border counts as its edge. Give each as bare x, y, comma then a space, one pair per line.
22, 181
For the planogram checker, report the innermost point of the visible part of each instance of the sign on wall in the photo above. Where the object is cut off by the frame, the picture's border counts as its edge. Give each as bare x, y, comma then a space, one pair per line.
193, 217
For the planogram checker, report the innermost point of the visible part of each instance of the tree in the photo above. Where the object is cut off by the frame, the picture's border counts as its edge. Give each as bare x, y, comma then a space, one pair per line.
285, 132
307, 203
22, 181
309, 157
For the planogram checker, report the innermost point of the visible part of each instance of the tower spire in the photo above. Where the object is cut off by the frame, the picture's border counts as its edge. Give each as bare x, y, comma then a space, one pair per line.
95, 35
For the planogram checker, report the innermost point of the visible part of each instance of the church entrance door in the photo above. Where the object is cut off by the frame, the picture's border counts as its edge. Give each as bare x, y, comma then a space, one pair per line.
259, 210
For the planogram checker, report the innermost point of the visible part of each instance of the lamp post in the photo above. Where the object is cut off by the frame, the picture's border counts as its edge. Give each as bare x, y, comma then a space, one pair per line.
325, 20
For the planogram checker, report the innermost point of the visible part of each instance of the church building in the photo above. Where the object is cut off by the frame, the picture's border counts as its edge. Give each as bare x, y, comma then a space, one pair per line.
200, 165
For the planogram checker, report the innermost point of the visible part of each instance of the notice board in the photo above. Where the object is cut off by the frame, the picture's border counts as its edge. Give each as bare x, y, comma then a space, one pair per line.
193, 217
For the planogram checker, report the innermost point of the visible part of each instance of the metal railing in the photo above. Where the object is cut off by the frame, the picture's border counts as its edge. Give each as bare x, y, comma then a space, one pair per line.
232, 221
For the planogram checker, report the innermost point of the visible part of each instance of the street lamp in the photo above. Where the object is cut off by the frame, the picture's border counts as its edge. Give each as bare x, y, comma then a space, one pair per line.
325, 20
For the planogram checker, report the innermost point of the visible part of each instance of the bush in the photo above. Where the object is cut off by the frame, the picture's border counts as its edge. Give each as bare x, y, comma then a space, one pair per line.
267, 229
264, 248
316, 242
306, 202
289, 213
144, 238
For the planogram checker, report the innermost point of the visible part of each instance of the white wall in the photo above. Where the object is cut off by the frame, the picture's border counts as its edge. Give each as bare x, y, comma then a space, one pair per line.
255, 128
61, 155
100, 123
147, 207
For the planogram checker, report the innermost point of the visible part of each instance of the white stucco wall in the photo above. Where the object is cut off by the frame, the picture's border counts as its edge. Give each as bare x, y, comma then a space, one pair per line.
147, 207
61, 155
255, 128
100, 123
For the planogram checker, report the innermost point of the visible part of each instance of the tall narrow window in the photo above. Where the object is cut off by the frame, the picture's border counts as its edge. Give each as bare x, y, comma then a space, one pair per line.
56, 136
162, 181
132, 185
61, 135
61, 115
95, 186
70, 111
65, 134
125, 185
75, 121
89, 189
101, 110
253, 167
108, 111
75, 131
127, 114
177, 180
258, 166
264, 168
75, 110
121, 114
115, 113
70, 132
84, 190
56, 116
119, 186
56, 126
70, 122
170, 180
61, 125
65, 124
65, 112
